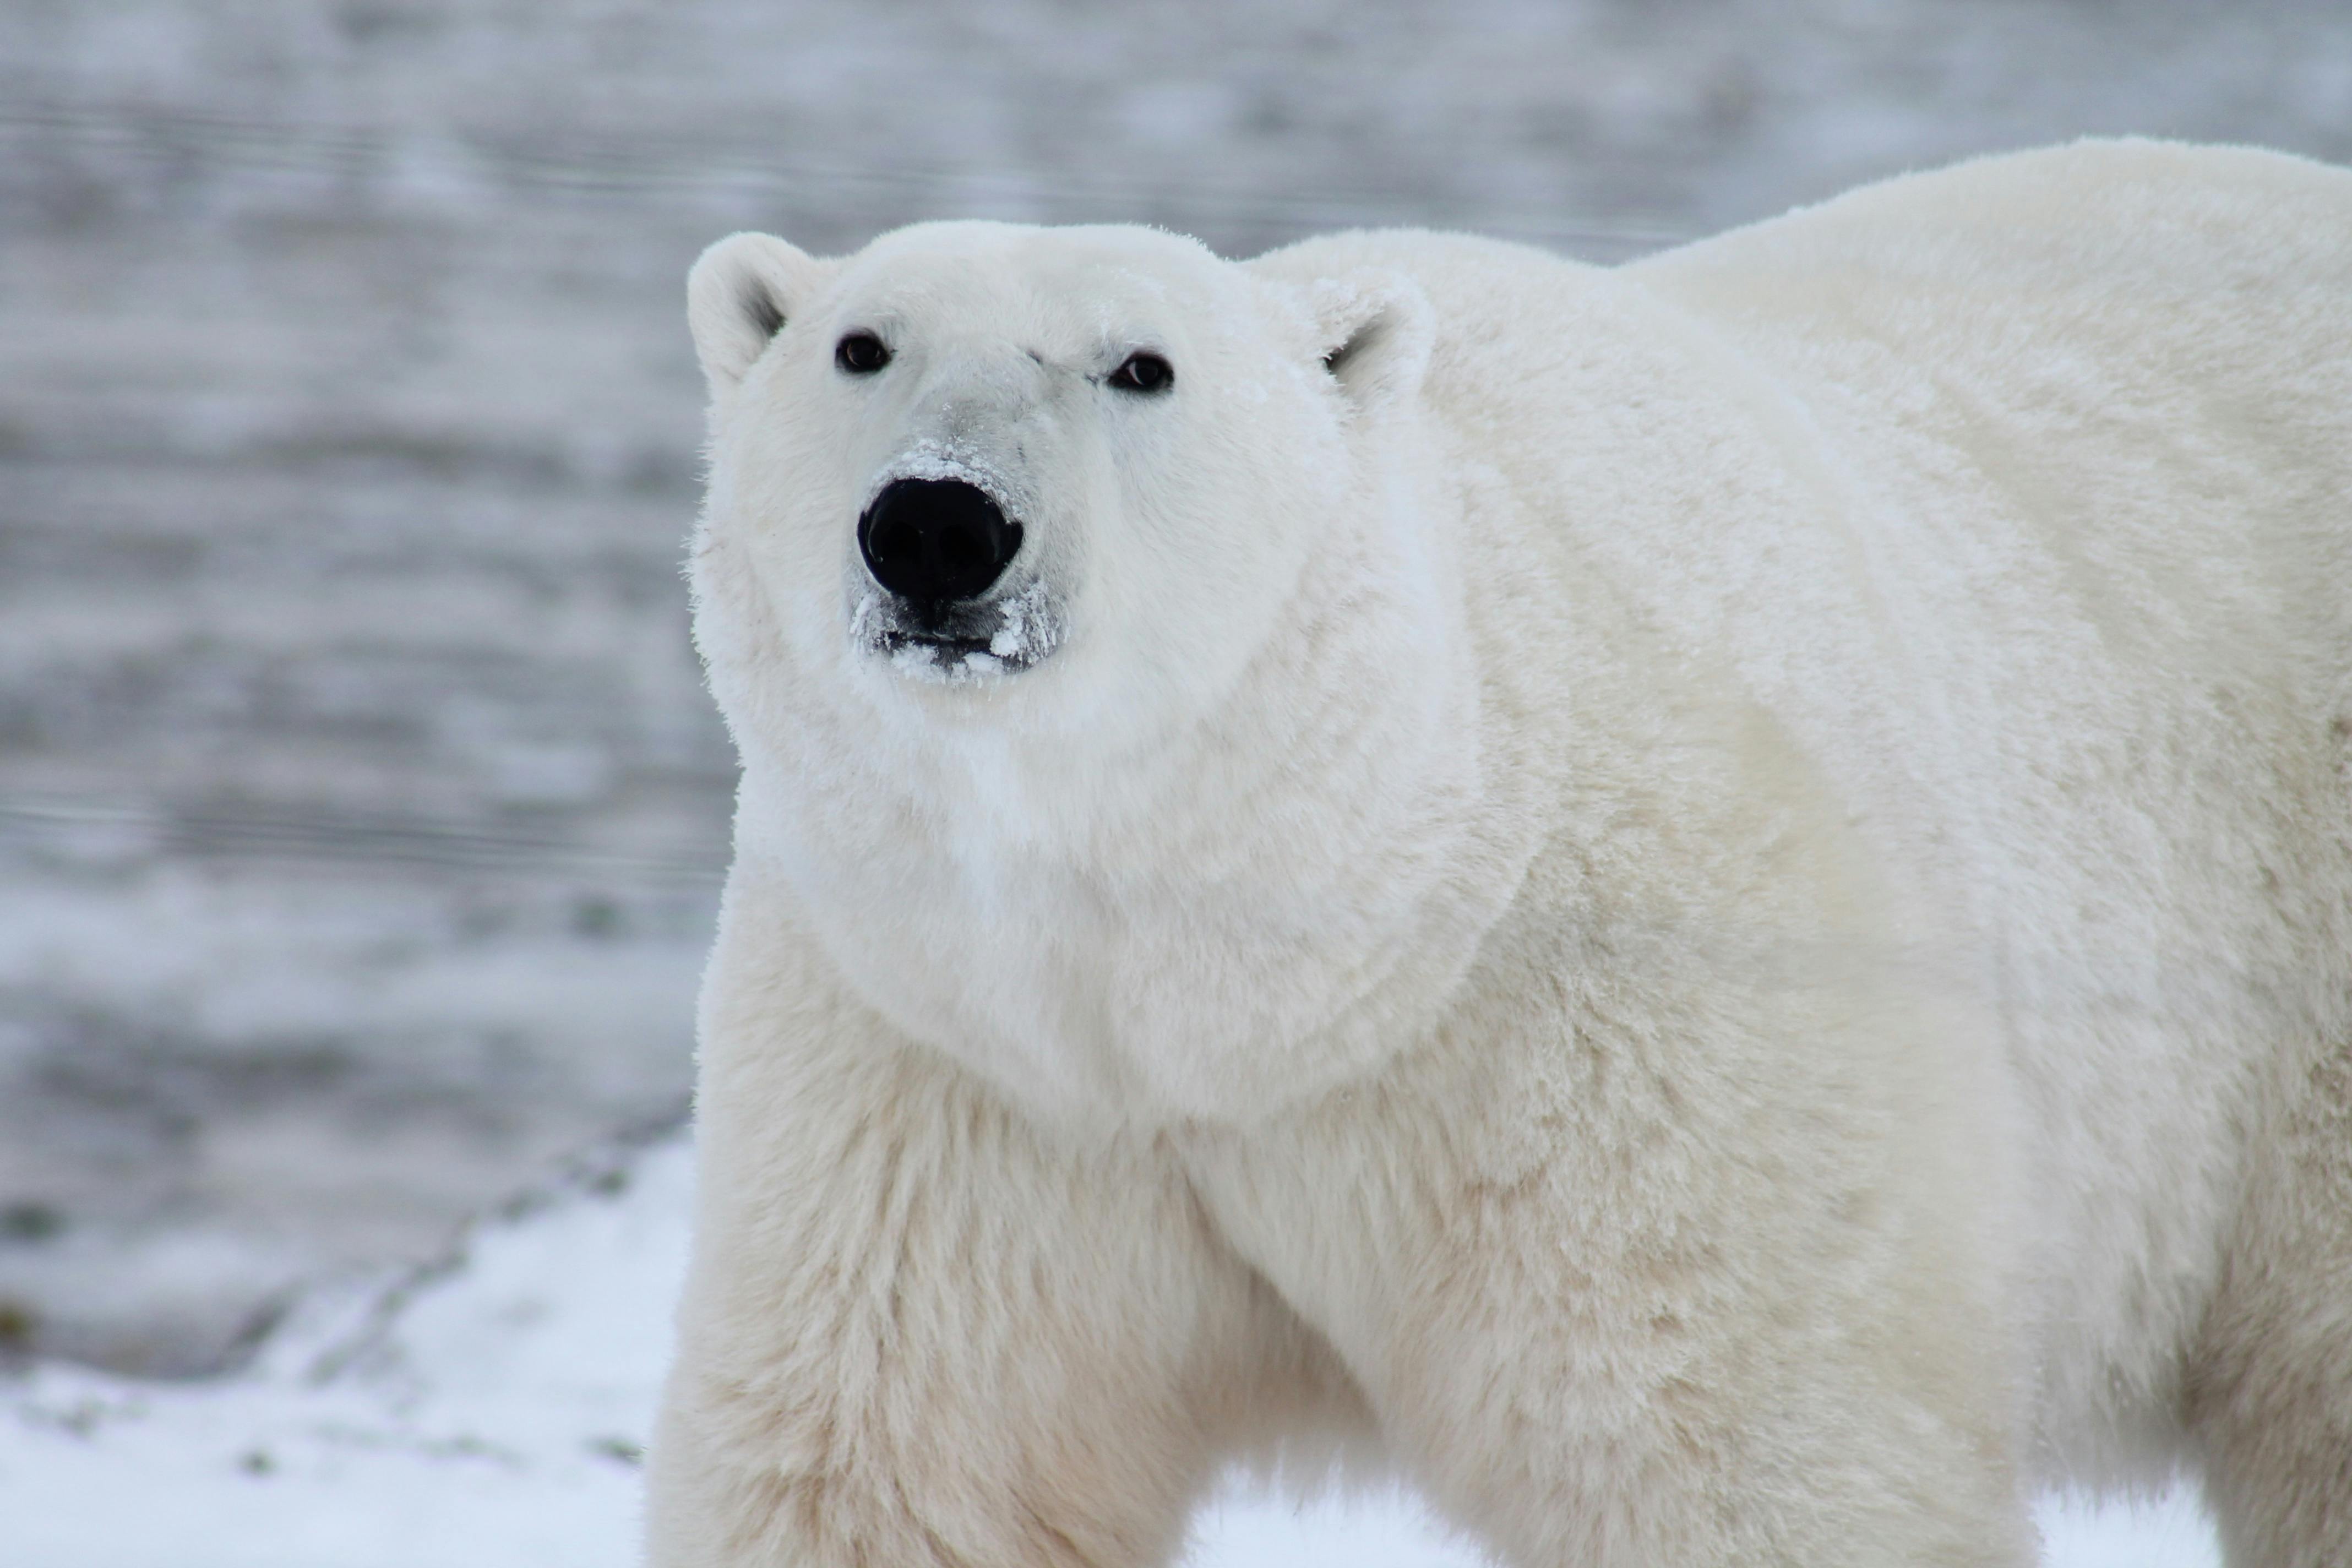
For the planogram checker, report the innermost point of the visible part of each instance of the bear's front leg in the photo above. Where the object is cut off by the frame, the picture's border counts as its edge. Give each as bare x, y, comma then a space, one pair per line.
917, 1331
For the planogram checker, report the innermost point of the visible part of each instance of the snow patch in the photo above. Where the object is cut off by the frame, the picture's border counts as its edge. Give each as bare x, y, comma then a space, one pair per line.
1028, 632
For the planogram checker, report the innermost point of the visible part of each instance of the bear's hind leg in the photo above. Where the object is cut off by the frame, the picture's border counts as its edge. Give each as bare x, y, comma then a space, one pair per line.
2271, 1381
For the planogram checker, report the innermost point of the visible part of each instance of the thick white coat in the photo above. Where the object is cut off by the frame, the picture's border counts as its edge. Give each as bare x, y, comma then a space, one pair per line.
1708, 903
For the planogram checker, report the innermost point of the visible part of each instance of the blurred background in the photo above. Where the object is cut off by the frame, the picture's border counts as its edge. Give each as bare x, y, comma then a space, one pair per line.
362, 816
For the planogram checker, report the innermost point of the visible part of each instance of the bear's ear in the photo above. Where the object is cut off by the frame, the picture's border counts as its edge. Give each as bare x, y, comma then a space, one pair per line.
739, 295
1373, 331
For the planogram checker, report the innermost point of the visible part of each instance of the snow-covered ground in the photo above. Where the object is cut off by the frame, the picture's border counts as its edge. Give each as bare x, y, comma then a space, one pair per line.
490, 1412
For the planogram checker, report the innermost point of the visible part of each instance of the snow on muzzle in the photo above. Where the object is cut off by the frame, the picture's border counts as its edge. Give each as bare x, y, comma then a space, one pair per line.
936, 548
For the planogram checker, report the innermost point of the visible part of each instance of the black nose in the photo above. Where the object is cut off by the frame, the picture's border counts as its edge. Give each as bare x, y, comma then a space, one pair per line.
936, 540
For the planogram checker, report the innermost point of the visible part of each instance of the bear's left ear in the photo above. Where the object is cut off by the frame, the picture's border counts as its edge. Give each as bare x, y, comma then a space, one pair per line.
1373, 330
738, 298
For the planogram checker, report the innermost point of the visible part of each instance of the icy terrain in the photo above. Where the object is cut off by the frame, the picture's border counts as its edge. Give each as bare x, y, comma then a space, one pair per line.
489, 1412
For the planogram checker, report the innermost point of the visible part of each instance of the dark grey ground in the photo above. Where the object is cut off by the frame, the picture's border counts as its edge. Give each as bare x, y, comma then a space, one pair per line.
360, 815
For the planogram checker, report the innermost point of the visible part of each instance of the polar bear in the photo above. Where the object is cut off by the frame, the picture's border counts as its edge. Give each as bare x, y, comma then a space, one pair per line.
1706, 905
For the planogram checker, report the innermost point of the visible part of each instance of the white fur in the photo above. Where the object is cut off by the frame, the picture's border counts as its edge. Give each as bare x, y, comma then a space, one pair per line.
1708, 904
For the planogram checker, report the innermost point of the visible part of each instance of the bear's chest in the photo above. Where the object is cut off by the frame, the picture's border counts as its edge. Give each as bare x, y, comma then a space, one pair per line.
1007, 961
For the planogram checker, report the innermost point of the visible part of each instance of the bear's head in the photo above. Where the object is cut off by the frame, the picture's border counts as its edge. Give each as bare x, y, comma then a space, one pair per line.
1068, 592
974, 446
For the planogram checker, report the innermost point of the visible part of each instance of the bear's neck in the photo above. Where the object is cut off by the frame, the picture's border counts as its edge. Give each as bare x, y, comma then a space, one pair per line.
1249, 910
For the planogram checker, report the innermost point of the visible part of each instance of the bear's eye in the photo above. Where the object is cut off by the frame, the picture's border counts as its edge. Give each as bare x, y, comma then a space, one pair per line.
1144, 372
861, 353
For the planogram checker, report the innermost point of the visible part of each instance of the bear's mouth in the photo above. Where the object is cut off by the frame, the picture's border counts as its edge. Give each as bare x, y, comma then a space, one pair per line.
958, 641
941, 646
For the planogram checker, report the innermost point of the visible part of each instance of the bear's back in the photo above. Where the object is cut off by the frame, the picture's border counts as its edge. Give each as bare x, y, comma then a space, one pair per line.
2096, 334
2088, 415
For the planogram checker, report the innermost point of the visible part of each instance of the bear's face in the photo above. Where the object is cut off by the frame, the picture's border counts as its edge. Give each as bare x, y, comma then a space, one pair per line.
1066, 593
975, 453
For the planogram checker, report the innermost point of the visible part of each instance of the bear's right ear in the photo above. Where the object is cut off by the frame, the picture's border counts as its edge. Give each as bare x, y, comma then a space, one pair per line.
738, 296
1373, 331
